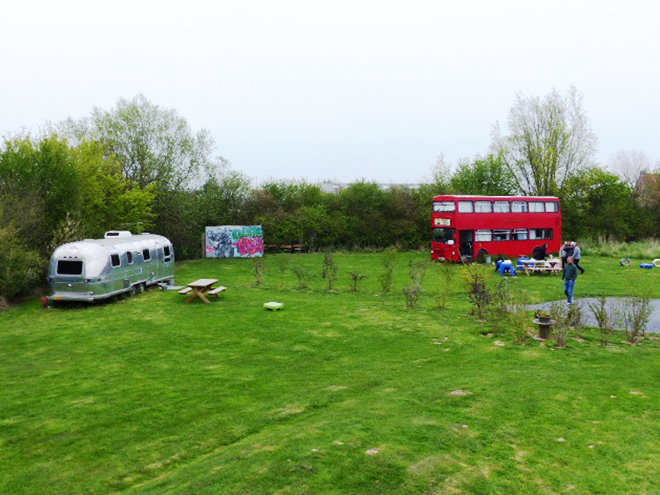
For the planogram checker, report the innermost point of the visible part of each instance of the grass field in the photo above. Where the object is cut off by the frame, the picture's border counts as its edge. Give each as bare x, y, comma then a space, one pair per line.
338, 393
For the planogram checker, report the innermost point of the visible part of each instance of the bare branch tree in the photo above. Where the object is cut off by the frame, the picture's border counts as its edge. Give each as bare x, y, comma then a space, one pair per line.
629, 165
549, 140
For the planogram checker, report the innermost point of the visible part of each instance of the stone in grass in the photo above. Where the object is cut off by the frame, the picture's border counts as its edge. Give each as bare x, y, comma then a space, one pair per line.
273, 306
460, 393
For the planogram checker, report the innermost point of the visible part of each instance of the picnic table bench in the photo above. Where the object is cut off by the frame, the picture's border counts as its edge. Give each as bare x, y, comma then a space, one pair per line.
202, 288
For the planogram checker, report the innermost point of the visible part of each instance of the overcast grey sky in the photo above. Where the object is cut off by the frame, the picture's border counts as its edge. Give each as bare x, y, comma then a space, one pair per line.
336, 89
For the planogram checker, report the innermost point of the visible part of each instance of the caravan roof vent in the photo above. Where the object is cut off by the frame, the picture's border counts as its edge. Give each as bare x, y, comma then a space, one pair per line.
117, 233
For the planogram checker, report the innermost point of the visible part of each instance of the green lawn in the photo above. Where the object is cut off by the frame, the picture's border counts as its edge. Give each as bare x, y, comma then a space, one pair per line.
346, 393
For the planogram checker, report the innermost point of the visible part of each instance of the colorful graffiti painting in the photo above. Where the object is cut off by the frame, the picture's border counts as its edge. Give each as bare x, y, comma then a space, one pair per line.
234, 241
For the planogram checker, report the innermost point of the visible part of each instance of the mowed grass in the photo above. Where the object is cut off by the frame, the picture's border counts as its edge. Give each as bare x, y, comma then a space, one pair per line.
335, 394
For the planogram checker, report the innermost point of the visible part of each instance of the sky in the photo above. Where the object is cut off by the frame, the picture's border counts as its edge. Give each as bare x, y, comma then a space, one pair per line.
336, 90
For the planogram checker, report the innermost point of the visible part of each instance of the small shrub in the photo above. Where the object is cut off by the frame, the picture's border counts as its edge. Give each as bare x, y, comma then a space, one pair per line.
356, 278
574, 318
603, 318
499, 314
635, 316
389, 262
330, 269
305, 276
418, 272
478, 292
283, 262
561, 329
519, 317
259, 269
412, 293
447, 272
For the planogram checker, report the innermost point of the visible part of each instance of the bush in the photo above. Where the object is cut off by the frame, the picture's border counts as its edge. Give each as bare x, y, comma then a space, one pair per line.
603, 317
478, 292
21, 269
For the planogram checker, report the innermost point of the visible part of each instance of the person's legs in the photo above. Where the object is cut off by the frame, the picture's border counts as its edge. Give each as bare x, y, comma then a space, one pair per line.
577, 264
569, 285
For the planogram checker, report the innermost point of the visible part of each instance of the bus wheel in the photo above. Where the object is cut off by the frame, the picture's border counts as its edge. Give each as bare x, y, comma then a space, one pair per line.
481, 255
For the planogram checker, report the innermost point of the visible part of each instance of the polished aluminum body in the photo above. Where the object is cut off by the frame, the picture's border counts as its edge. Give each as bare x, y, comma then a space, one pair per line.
96, 269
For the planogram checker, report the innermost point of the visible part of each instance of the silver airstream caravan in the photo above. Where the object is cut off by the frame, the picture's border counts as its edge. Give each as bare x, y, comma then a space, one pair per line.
96, 269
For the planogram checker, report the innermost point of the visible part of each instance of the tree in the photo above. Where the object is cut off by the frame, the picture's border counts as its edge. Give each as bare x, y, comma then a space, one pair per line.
488, 176
629, 165
549, 140
597, 203
39, 186
153, 145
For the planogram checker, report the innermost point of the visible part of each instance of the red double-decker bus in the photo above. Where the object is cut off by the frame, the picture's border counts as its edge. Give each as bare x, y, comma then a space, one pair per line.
469, 227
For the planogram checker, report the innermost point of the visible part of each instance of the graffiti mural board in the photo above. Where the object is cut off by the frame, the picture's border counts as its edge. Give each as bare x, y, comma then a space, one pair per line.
234, 241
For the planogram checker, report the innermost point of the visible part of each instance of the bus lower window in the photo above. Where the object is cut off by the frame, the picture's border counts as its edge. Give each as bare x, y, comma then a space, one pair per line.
444, 206
67, 267
443, 235
537, 233
484, 236
548, 233
501, 235
520, 235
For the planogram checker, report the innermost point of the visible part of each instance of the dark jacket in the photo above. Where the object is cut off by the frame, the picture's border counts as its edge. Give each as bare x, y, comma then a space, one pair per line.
539, 252
570, 272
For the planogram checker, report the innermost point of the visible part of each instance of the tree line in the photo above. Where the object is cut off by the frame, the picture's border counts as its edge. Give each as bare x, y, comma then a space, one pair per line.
140, 167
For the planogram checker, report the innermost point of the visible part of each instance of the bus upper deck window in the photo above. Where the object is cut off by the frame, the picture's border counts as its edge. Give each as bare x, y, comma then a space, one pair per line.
465, 207
536, 206
444, 206
519, 207
552, 207
502, 207
483, 207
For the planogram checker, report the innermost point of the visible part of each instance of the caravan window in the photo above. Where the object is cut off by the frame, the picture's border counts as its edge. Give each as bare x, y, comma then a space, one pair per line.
129, 257
114, 258
166, 250
69, 267
146, 254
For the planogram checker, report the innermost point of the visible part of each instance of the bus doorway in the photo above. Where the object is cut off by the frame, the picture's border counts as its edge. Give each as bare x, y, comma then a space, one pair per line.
466, 243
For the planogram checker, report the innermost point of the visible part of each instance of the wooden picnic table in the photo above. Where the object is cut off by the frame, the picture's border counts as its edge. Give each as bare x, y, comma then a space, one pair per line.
200, 288
552, 265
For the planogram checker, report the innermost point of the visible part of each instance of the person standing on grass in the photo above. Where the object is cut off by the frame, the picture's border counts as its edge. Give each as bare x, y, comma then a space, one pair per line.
576, 257
566, 251
569, 277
